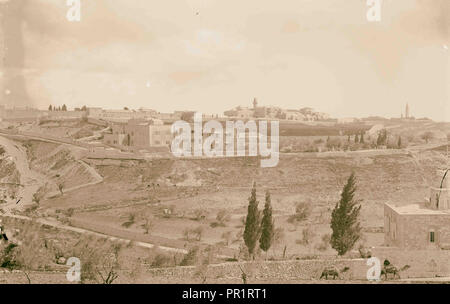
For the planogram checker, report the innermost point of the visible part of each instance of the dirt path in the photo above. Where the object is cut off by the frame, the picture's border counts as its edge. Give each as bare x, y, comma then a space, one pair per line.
58, 225
97, 179
30, 180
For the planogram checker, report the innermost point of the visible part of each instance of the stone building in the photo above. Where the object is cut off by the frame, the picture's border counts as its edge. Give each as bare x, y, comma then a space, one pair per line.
120, 115
424, 225
140, 134
272, 112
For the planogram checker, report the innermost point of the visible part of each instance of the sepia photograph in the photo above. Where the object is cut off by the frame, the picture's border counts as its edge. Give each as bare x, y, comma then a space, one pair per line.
206, 143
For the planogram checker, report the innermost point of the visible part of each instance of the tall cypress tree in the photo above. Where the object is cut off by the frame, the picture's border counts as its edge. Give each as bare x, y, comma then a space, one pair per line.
252, 223
267, 225
344, 219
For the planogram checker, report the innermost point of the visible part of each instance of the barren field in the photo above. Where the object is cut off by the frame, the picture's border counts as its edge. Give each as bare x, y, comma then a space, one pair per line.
176, 195
171, 212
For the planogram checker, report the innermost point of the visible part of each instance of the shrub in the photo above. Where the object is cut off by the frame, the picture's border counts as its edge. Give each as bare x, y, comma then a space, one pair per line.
325, 242
191, 258
221, 218
198, 232
68, 212
200, 214
161, 260
307, 235
227, 236
130, 221
302, 211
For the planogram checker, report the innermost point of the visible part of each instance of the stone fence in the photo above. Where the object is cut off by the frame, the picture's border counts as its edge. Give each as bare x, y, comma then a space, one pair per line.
423, 263
269, 270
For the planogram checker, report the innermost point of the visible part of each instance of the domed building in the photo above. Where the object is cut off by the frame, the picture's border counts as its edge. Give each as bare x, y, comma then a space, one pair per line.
424, 225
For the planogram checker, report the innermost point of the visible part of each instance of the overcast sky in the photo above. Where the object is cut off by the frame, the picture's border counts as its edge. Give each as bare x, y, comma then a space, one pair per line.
212, 55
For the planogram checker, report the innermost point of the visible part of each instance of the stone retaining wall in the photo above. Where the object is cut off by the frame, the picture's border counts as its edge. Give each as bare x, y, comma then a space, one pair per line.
277, 270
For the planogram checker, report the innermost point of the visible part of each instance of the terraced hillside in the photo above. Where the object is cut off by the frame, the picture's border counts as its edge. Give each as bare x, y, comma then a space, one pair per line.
176, 195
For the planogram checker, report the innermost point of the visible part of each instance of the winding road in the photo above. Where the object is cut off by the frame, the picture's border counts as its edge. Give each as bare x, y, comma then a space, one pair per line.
29, 179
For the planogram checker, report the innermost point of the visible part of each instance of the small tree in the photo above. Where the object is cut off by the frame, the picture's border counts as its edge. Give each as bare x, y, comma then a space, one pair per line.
344, 219
399, 142
382, 138
198, 232
267, 226
227, 236
30, 253
307, 235
101, 259
60, 188
147, 226
278, 237
64, 108
302, 211
222, 217
427, 136
252, 223
50, 108
356, 138
130, 221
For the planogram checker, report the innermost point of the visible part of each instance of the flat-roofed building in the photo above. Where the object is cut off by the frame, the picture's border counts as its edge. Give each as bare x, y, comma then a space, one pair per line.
140, 133
424, 225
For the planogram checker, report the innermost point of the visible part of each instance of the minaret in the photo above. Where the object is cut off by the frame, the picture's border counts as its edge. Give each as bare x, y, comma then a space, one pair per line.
407, 111
255, 103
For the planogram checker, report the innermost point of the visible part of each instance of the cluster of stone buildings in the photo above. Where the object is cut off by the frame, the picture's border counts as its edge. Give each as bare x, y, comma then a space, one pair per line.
139, 133
125, 115
271, 112
142, 128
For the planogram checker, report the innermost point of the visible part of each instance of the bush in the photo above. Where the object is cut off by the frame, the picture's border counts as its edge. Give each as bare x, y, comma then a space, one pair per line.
307, 235
68, 212
191, 258
325, 242
196, 232
131, 219
221, 218
227, 236
302, 211
7, 257
161, 260
200, 214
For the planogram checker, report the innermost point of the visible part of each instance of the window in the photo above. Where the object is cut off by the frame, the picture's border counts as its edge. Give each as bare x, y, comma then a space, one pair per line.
431, 236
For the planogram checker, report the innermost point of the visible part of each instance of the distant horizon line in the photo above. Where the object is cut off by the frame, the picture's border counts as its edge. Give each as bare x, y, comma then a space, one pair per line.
40, 108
